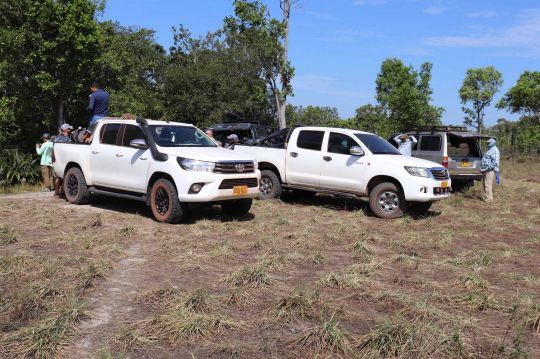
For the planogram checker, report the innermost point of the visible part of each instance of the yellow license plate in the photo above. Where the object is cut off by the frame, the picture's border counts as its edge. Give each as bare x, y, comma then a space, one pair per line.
465, 164
239, 190
444, 184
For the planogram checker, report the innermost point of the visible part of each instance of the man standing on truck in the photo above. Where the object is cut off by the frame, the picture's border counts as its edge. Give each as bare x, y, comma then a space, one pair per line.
489, 166
99, 103
405, 143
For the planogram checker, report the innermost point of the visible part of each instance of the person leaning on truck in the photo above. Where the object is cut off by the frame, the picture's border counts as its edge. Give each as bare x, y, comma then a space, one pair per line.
98, 104
45, 151
405, 143
63, 137
489, 166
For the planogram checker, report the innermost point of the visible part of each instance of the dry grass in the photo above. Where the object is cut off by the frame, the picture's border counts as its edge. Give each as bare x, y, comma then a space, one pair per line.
314, 277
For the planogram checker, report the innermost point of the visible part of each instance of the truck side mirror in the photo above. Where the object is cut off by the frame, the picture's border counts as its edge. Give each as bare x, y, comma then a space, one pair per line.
357, 151
139, 143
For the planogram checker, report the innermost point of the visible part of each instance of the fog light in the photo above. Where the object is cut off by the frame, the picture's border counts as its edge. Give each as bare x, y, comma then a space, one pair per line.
195, 188
423, 189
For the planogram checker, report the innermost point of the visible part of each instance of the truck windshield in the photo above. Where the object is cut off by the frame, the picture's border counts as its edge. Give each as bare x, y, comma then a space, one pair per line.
180, 136
377, 145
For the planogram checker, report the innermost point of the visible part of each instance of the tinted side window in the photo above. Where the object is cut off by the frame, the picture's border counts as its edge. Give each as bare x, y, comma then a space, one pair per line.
340, 143
110, 133
132, 133
430, 143
310, 140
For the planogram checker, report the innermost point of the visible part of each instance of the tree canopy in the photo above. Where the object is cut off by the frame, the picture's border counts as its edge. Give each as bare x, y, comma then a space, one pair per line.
479, 87
404, 95
524, 97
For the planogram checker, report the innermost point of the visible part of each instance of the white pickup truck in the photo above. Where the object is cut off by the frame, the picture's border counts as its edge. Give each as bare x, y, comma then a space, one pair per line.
348, 162
166, 164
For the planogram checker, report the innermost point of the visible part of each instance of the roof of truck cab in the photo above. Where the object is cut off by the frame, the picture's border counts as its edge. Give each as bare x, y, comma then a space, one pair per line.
318, 128
150, 122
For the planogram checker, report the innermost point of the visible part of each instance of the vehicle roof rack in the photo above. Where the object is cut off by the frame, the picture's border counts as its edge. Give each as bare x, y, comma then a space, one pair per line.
443, 128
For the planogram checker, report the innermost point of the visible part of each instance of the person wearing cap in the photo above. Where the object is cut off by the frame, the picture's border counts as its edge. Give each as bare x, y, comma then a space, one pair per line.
65, 134
45, 151
98, 103
232, 141
489, 166
63, 137
405, 143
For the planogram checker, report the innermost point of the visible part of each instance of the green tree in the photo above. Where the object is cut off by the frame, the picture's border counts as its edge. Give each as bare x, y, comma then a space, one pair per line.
524, 97
373, 119
130, 67
47, 52
207, 76
405, 95
479, 87
312, 115
265, 40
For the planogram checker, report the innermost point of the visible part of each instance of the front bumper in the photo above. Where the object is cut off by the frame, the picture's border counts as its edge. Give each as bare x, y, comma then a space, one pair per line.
419, 189
210, 191
457, 177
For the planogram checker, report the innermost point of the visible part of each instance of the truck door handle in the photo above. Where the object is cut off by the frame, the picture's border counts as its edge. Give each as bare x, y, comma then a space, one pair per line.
119, 155
95, 152
294, 154
143, 158
327, 158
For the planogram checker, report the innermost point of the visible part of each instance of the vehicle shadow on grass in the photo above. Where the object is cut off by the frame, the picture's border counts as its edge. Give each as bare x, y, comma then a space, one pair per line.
347, 204
197, 213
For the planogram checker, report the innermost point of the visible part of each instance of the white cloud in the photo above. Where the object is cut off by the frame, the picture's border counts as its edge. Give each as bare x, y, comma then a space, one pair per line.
325, 85
483, 14
525, 35
435, 10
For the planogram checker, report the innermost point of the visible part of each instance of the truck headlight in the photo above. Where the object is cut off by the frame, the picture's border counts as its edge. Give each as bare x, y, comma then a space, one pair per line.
195, 165
417, 171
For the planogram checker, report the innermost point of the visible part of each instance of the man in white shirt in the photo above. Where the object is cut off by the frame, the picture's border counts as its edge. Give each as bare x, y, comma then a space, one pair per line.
405, 143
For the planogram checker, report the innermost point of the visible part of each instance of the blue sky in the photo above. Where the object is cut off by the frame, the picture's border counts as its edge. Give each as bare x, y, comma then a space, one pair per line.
337, 46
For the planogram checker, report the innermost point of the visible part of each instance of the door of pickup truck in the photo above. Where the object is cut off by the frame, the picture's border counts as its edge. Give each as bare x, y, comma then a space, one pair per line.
341, 170
304, 157
114, 163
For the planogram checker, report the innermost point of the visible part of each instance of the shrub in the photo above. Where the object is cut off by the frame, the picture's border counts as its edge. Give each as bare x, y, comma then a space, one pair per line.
18, 167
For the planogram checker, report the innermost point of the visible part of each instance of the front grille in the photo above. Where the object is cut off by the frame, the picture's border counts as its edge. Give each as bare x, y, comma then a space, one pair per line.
440, 174
230, 183
234, 167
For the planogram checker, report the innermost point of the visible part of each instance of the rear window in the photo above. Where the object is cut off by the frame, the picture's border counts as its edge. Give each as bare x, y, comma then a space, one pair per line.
310, 140
110, 133
463, 147
430, 143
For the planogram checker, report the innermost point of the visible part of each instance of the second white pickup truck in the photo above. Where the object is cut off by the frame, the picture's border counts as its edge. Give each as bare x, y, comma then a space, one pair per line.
348, 162
165, 164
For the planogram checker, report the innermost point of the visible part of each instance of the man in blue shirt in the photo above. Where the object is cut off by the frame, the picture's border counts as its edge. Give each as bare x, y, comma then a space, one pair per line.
99, 103
489, 166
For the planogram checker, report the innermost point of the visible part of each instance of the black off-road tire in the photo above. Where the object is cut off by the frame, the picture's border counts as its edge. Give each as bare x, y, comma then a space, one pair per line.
75, 188
237, 207
386, 201
164, 202
269, 185
419, 208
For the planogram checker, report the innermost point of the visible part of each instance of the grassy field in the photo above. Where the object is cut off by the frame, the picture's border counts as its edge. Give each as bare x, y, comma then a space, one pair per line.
296, 278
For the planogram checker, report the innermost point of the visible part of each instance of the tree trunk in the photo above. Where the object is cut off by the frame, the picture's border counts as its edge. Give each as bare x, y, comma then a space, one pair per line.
285, 77
60, 112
